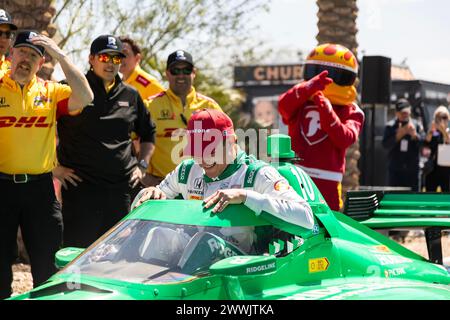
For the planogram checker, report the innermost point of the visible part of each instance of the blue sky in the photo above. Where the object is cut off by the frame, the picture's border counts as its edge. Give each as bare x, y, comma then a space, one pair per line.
415, 30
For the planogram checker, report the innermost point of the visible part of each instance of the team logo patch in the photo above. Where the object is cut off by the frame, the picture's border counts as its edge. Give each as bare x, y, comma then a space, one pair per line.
198, 184
31, 36
281, 185
3, 103
180, 55
3, 16
165, 114
310, 127
112, 43
40, 101
194, 197
140, 79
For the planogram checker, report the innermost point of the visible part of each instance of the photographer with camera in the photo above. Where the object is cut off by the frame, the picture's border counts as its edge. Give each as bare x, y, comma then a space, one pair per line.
403, 137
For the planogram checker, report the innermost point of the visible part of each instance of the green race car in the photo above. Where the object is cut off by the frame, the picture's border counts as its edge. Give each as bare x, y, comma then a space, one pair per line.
175, 249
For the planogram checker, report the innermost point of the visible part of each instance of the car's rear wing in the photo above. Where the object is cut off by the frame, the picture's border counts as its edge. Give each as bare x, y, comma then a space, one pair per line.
379, 209
391, 209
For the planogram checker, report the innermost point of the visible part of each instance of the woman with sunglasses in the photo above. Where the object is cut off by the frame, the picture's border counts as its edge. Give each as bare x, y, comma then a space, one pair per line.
438, 133
97, 168
322, 118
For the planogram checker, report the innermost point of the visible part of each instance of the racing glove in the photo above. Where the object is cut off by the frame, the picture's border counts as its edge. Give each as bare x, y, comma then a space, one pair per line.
317, 83
292, 100
342, 132
328, 117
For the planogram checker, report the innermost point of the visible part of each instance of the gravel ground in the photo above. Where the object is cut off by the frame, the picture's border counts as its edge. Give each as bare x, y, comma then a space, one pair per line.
23, 282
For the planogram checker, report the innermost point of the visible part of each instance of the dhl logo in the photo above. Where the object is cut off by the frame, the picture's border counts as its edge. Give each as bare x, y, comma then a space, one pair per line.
167, 133
24, 122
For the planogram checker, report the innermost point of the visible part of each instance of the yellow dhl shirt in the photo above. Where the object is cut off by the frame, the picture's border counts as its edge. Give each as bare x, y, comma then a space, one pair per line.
171, 118
28, 124
144, 83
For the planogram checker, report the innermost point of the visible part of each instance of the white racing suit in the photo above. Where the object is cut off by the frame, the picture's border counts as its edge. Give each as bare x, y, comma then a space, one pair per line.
266, 189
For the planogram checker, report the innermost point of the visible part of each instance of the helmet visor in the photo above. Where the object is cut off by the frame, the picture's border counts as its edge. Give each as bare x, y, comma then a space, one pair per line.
340, 77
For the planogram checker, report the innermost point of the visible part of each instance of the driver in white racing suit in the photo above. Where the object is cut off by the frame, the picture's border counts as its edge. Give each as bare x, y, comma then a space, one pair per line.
220, 174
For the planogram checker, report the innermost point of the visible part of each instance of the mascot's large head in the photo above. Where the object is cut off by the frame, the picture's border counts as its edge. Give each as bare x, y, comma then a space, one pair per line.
342, 67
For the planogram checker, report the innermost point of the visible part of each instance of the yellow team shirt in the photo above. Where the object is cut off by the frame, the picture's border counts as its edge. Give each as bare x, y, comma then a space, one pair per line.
28, 124
144, 83
170, 118
5, 65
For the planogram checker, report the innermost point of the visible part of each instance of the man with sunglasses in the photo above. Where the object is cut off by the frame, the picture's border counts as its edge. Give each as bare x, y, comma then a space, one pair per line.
322, 118
98, 170
29, 110
403, 137
7, 29
172, 110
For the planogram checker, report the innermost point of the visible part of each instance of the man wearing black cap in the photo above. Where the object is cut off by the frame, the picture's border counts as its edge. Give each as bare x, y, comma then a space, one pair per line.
97, 168
172, 110
7, 29
29, 109
403, 137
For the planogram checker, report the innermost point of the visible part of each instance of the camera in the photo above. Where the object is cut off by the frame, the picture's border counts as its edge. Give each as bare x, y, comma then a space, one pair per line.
404, 123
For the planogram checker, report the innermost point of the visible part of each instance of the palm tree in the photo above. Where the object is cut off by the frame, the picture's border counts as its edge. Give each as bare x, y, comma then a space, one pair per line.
35, 15
337, 24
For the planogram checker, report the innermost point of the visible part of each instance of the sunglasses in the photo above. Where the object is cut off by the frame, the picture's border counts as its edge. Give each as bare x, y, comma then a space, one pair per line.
341, 77
103, 57
177, 71
6, 34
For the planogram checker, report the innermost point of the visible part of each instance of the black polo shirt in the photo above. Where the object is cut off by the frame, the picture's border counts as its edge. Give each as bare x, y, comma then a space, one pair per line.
97, 142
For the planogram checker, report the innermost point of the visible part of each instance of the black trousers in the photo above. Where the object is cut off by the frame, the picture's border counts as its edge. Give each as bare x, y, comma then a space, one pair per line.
404, 178
90, 210
33, 207
440, 176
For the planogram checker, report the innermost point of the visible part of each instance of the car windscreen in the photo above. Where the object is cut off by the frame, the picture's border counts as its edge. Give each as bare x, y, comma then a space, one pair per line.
145, 251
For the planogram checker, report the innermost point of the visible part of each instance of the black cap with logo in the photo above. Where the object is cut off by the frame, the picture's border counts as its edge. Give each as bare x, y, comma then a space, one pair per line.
5, 18
23, 39
107, 44
179, 56
402, 104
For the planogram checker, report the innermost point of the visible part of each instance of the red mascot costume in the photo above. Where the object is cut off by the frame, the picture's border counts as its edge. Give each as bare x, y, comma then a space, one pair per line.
322, 118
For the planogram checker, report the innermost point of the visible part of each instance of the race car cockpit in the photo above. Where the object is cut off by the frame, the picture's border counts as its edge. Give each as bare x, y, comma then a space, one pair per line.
146, 251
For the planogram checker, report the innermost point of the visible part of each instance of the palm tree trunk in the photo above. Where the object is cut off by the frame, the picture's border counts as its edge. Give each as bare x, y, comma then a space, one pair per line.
337, 24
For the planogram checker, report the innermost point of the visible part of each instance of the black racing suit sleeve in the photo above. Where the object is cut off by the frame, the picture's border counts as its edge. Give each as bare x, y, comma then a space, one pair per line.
145, 127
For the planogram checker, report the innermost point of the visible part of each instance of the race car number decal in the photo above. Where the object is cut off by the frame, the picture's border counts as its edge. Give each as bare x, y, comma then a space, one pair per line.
305, 184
